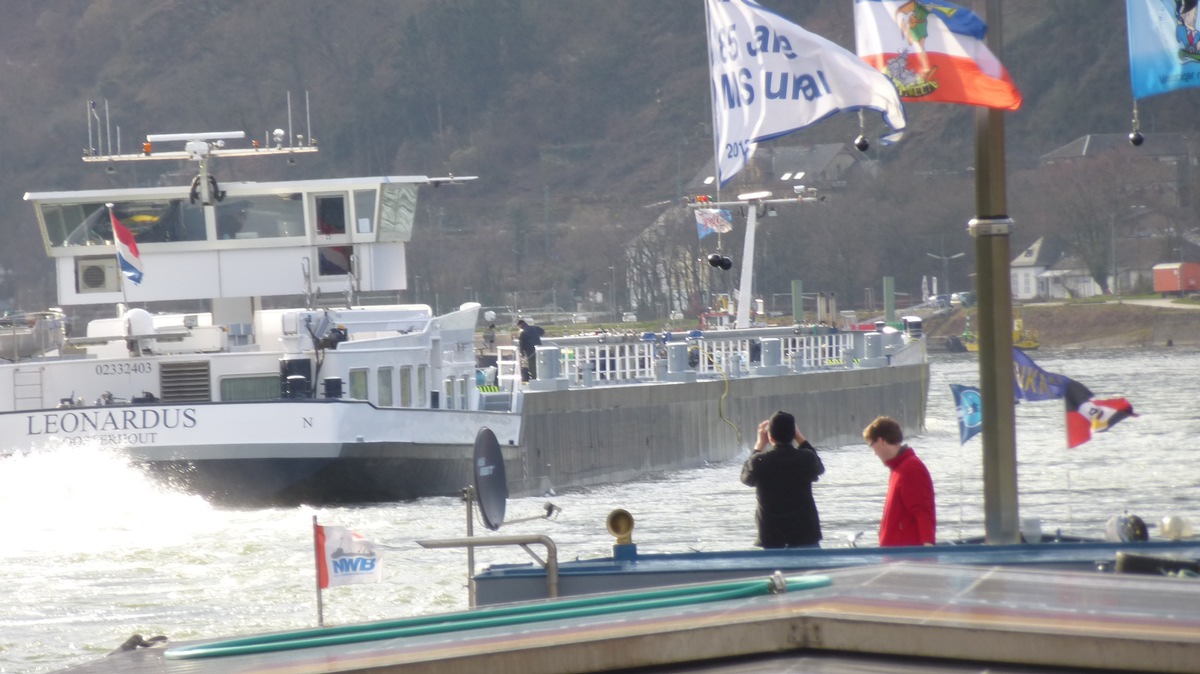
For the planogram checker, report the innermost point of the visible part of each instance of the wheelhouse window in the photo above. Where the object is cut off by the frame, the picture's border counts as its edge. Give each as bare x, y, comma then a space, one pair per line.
260, 217
364, 211
150, 221
174, 220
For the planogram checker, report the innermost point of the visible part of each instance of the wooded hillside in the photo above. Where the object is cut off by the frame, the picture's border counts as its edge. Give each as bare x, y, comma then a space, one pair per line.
577, 115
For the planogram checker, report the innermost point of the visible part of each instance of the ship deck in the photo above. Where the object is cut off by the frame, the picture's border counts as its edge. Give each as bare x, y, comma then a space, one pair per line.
630, 570
897, 617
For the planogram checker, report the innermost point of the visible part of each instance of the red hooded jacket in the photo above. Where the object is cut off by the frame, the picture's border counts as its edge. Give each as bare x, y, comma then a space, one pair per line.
909, 516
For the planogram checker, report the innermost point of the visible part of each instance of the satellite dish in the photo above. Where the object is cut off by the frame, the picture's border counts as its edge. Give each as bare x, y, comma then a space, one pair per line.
491, 486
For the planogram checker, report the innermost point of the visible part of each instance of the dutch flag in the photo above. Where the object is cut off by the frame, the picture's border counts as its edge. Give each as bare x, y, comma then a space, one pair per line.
127, 250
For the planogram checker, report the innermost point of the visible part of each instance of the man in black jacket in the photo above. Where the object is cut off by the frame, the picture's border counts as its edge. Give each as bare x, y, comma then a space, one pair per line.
528, 341
783, 474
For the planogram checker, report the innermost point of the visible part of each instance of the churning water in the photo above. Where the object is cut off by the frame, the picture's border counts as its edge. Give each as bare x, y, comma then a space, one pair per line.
94, 552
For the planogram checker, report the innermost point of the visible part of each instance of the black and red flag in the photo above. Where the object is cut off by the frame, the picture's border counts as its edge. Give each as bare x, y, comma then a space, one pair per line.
1086, 414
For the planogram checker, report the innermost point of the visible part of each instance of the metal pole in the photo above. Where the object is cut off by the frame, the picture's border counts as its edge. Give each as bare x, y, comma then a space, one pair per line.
745, 290
991, 229
317, 561
469, 497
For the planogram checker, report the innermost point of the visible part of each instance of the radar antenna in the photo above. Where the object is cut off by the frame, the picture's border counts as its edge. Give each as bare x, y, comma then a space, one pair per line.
201, 147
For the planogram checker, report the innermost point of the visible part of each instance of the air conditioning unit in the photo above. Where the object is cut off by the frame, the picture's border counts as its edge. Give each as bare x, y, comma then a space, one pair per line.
97, 275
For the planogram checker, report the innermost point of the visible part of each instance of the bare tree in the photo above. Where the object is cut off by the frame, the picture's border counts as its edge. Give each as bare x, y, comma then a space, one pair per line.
1086, 203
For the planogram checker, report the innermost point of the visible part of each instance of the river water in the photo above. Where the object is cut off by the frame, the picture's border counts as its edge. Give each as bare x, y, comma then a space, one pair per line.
93, 552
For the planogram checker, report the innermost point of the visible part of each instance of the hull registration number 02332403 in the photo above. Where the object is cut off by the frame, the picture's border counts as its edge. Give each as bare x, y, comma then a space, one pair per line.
124, 368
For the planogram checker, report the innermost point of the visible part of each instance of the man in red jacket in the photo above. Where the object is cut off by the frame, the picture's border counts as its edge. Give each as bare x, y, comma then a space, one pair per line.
909, 513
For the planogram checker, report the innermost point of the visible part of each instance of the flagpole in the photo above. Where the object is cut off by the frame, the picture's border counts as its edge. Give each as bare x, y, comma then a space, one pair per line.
117, 252
712, 107
317, 567
991, 229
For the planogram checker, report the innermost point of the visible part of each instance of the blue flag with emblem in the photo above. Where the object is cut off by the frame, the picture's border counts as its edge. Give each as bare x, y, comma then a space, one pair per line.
970, 411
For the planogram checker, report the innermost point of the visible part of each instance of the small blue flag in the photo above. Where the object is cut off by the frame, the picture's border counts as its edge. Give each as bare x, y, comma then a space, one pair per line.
970, 410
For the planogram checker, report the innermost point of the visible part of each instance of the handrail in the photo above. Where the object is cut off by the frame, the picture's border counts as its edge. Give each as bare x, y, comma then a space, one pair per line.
550, 564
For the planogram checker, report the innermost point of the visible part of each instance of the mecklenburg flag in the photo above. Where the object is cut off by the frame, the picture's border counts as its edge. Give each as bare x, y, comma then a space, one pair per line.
1032, 382
1086, 414
933, 51
771, 77
127, 251
970, 410
1164, 46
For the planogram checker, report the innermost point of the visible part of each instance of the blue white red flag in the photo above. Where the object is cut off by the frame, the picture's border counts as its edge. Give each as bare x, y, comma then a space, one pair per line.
127, 251
345, 558
934, 52
970, 411
713, 221
1031, 382
770, 77
1086, 414
1164, 46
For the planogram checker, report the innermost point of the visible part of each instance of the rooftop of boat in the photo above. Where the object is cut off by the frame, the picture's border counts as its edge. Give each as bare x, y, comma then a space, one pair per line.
897, 617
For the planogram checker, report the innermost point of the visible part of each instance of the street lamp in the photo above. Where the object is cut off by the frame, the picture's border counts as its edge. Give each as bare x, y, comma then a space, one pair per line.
945, 267
612, 290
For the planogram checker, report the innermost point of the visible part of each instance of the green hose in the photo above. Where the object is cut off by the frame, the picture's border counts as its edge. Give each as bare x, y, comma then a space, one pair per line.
501, 616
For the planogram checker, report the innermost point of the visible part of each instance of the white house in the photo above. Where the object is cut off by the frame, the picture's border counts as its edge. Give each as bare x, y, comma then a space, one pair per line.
1026, 270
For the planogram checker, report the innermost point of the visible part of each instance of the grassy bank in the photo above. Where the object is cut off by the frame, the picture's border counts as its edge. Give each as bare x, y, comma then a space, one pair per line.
1088, 324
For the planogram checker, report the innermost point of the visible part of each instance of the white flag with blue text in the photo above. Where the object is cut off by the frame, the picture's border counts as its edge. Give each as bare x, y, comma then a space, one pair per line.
771, 77
1164, 46
345, 558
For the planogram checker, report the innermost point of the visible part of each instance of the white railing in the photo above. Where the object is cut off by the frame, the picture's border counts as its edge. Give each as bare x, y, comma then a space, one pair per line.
607, 359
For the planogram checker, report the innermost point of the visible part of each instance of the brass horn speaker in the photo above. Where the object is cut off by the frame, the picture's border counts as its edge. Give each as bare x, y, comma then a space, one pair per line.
620, 524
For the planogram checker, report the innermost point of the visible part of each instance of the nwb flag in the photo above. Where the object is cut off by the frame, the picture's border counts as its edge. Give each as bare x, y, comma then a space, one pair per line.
771, 77
127, 251
970, 411
1086, 414
1164, 47
713, 221
345, 558
1031, 382
934, 52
